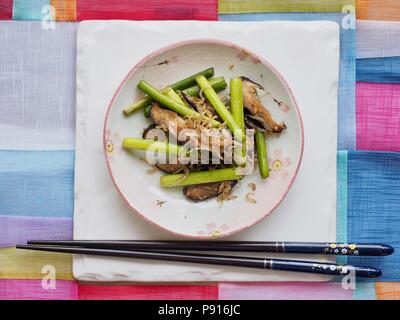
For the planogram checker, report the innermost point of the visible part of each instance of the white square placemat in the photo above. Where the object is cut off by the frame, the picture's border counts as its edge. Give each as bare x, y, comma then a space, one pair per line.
306, 53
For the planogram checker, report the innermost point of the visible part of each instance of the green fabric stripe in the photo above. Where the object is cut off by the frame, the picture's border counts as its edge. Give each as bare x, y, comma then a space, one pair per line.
252, 6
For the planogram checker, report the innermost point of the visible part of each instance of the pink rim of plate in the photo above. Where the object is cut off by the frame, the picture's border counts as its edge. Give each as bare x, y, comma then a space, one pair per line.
173, 46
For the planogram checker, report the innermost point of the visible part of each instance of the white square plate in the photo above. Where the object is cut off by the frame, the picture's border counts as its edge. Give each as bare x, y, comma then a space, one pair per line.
306, 53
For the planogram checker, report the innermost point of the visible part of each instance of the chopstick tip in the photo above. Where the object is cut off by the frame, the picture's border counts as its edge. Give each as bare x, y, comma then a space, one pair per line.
21, 246
387, 250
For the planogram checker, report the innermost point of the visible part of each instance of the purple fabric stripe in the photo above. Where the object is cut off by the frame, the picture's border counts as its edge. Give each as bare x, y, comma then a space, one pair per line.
17, 230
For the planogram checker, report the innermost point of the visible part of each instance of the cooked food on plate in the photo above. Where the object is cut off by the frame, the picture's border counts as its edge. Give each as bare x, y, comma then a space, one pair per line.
202, 136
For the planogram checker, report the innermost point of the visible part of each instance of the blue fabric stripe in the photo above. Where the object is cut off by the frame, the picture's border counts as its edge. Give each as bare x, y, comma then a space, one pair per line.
346, 99
365, 291
341, 223
341, 216
380, 70
37, 183
29, 9
374, 207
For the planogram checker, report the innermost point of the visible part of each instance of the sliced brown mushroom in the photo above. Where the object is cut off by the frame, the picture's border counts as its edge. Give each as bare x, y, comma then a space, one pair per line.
166, 167
167, 119
252, 103
170, 167
254, 122
201, 192
146, 131
174, 124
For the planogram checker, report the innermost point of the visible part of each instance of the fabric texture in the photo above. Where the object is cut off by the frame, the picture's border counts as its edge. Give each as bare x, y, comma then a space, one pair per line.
379, 70
30, 10
18, 229
364, 291
341, 200
37, 86
388, 291
283, 291
378, 10
147, 10
252, 6
27, 264
378, 39
147, 292
71, 10
65, 10
6, 7
36, 183
341, 222
35, 290
378, 115
374, 206
346, 103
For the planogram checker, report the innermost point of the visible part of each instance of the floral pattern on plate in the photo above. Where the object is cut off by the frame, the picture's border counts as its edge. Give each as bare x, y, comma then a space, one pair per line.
112, 144
213, 231
278, 165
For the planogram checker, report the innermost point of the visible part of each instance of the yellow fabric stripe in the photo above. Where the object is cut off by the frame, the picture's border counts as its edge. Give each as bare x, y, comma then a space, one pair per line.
25, 264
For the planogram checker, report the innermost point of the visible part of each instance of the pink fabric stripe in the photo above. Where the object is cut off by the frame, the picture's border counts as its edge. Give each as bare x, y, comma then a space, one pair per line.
17, 230
32, 290
147, 292
6, 7
378, 116
147, 9
283, 291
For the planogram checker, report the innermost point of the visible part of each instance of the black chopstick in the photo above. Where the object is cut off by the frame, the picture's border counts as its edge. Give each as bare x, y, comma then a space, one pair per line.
350, 249
249, 262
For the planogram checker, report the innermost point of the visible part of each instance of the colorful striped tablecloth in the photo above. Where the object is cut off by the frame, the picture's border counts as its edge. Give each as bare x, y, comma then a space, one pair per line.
37, 138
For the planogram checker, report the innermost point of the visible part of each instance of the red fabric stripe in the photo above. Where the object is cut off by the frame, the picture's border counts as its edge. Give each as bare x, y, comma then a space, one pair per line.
147, 292
6, 8
147, 9
378, 116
